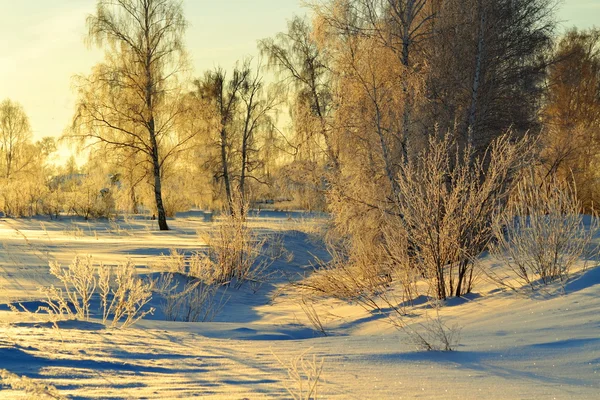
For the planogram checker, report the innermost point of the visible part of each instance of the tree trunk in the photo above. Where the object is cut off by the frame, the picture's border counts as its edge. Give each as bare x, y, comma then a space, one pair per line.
225, 164
406, 115
472, 117
160, 208
243, 174
245, 138
134, 202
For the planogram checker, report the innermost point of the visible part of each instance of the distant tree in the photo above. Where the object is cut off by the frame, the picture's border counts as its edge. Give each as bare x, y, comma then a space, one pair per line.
302, 66
571, 113
23, 169
223, 98
130, 101
47, 145
15, 136
242, 108
487, 61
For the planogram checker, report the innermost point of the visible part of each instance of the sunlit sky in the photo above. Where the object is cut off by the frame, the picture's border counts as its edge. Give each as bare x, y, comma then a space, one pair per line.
42, 45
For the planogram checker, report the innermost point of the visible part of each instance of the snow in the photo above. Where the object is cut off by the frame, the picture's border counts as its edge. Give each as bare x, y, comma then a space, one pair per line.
511, 346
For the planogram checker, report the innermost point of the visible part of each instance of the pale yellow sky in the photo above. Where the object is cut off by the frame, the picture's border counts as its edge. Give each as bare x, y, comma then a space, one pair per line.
42, 45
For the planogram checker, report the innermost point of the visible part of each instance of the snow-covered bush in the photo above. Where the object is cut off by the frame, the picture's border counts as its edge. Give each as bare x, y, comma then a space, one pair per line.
123, 295
446, 202
79, 283
433, 228
542, 235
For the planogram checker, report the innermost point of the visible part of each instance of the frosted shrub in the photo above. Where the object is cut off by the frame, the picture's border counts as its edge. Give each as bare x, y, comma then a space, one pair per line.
353, 274
122, 293
22, 196
79, 283
446, 204
433, 334
235, 253
542, 235
197, 266
433, 227
35, 389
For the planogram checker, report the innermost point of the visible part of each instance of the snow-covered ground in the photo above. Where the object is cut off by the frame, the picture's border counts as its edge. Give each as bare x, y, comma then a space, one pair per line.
511, 346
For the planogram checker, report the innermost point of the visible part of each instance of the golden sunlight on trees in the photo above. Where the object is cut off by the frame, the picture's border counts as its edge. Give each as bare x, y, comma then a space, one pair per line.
382, 173
130, 102
396, 108
23, 169
571, 114
15, 136
238, 114
301, 64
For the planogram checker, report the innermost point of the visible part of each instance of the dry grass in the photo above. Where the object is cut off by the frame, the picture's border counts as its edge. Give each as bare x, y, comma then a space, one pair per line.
191, 301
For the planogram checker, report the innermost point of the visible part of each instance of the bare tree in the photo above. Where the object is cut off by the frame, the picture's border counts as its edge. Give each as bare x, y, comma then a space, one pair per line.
488, 61
258, 107
571, 114
302, 65
402, 26
244, 111
224, 98
130, 100
15, 135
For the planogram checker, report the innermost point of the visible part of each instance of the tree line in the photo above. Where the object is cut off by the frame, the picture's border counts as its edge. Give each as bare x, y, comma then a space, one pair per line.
329, 113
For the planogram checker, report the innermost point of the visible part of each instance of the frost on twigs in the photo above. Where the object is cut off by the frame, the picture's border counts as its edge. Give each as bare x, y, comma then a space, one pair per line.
304, 375
542, 236
123, 295
432, 334
235, 253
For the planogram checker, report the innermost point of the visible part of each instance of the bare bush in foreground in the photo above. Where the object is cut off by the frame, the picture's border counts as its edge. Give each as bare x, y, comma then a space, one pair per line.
122, 293
433, 334
79, 282
304, 374
446, 204
542, 235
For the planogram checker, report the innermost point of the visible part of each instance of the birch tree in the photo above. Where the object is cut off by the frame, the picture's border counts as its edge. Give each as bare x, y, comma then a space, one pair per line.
130, 100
